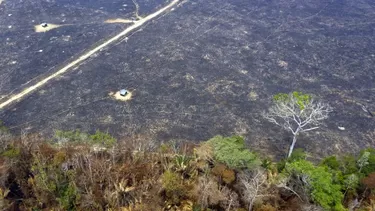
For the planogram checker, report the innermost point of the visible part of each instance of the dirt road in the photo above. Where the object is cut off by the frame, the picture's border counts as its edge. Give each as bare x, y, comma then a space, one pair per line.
18, 96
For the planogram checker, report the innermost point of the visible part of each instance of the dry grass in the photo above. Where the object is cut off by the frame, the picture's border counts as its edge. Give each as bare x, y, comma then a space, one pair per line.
205, 152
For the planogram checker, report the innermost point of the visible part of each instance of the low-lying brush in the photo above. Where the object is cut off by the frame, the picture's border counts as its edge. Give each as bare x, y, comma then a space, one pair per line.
79, 171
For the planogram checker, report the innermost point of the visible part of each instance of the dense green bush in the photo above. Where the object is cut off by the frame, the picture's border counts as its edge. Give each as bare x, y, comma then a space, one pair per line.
331, 162
232, 152
336, 167
348, 165
297, 154
319, 183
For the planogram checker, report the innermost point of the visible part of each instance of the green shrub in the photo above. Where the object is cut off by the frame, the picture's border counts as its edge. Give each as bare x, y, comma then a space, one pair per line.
11, 152
334, 166
369, 167
331, 162
348, 165
280, 166
68, 196
232, 152
181, 162
72, 136
172, 184
51, 184
171, 181
3, 128
351, 183
267, 164
76, 136
320, 184
102, 139
297, 154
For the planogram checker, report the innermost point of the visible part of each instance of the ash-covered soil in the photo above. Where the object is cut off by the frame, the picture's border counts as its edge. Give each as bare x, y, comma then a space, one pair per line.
207, 68
27, 56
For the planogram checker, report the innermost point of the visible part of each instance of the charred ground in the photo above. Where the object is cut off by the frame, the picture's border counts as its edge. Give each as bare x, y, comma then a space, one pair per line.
205, 68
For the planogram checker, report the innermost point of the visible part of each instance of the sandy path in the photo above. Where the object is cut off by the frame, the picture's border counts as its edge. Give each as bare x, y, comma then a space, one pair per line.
118, 20
18, 96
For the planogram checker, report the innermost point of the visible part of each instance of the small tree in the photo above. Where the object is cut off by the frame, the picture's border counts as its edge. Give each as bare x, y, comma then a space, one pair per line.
253, 186
297, 113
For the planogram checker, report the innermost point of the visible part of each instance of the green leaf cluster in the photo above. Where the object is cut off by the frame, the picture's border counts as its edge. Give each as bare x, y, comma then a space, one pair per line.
300, 98
232, 152
321, 186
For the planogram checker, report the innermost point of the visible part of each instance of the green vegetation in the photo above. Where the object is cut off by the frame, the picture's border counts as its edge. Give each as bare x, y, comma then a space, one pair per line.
219, 174
11, 152
366, 163
77, 137
232, 152
319, 182
102, 139
299, 98
2, 127
52, 182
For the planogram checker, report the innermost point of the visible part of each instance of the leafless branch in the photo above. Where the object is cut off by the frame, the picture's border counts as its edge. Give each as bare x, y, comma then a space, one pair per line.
253, 185
291, 116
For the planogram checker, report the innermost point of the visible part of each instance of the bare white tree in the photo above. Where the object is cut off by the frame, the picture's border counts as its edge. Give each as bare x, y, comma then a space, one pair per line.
297, 113
253, 185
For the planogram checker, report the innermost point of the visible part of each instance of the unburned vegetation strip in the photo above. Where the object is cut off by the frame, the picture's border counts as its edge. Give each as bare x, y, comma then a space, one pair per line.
77, 171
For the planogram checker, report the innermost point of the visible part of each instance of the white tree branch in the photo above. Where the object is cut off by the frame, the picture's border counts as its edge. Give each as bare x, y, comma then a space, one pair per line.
289, 115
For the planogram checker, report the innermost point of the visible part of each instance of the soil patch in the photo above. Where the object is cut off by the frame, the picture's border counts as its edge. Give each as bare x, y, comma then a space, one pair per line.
50, 26
117, 96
